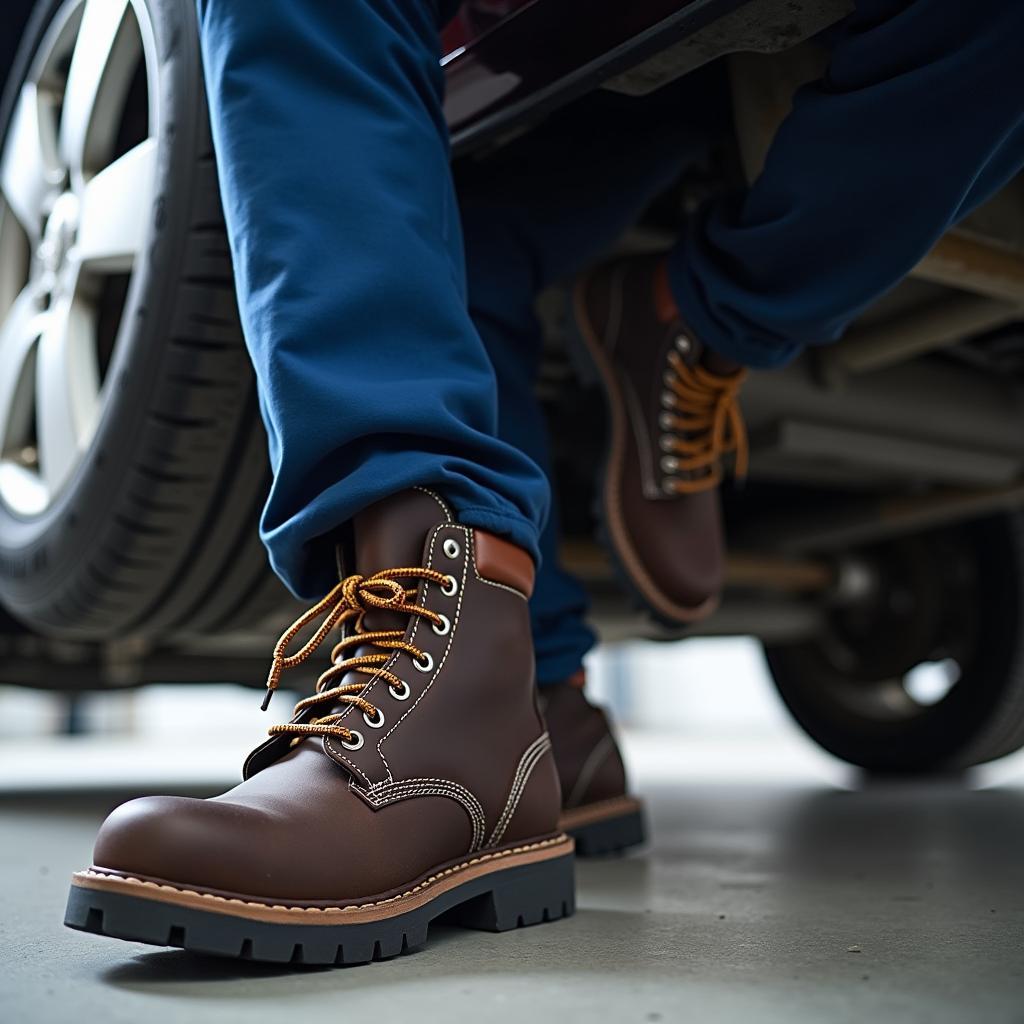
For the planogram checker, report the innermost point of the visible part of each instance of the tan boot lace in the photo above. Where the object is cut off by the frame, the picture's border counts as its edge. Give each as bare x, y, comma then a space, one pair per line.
701, 423
350, 599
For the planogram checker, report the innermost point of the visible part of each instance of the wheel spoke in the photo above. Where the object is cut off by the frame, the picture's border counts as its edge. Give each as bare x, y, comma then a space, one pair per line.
29, 169
18, 335
67, 389
116, 210
102, 55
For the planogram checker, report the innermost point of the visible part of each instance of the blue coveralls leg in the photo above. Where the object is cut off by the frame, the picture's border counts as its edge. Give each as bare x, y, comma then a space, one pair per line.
334, 170
918, 119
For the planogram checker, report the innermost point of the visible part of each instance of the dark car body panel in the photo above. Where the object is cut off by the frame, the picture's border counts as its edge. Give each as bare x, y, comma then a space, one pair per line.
508, 62
553, 47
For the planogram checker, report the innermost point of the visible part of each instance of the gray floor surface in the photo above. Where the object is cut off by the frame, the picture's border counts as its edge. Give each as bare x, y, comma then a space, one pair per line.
770, 902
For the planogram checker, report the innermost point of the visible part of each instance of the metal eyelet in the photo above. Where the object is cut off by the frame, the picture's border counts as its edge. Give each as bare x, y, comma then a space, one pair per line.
668, 399
374, 723
669, 464
683, 344
451, 548
403, 692
668, 443
424, 664
668, 486
442, 628
668, 377
666, 421
355, 743
450, 587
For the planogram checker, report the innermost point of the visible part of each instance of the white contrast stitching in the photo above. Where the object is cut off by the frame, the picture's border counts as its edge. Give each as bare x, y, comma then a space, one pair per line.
387, 790
426, 883
447, 650
531, 757
590, 765
437, 497
366, 691
387, 793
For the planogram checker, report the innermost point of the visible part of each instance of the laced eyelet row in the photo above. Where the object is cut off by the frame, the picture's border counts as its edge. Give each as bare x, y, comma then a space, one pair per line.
699, 421
422, 664
403, 692
666, 419
349, 601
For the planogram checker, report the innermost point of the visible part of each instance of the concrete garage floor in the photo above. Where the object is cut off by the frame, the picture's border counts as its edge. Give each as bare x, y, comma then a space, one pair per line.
765, 896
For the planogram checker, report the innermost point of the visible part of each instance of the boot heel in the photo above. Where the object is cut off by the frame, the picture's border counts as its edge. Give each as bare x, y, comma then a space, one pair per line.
521, 896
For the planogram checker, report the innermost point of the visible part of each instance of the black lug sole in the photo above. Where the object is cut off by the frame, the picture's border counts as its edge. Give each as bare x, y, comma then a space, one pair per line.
611, 836
500, 901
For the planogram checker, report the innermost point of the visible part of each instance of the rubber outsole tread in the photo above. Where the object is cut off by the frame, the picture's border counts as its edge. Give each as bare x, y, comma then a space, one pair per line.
610, 837
515, 897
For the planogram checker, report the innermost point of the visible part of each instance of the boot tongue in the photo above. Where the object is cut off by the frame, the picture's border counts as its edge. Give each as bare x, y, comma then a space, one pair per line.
391, 535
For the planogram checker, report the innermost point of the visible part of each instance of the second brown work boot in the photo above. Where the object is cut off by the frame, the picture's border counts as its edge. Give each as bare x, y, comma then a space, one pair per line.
674, 414
416, 783
597, 810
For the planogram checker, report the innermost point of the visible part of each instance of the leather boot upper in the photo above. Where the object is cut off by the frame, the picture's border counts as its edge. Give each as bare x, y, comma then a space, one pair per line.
676, 418
454, 760
590, 767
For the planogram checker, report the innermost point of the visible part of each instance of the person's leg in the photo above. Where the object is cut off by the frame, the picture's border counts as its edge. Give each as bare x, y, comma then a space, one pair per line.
418, 778
535, 214
506, 321
333, 158
917, 120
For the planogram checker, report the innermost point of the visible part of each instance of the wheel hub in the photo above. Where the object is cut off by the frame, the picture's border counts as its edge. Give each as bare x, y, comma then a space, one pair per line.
78, 166
59, 235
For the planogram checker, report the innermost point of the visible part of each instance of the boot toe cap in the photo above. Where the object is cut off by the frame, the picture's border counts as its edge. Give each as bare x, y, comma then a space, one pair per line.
176, 839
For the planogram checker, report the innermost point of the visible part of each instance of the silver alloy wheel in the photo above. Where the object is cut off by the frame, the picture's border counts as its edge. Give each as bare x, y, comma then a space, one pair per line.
74, 211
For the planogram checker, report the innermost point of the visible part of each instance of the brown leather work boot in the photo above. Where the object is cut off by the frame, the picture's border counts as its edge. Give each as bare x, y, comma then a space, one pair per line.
417, 781
674, 415
596, 808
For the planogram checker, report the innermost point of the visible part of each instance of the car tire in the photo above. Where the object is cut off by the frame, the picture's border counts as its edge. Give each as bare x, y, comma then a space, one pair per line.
154, 532
950, 601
